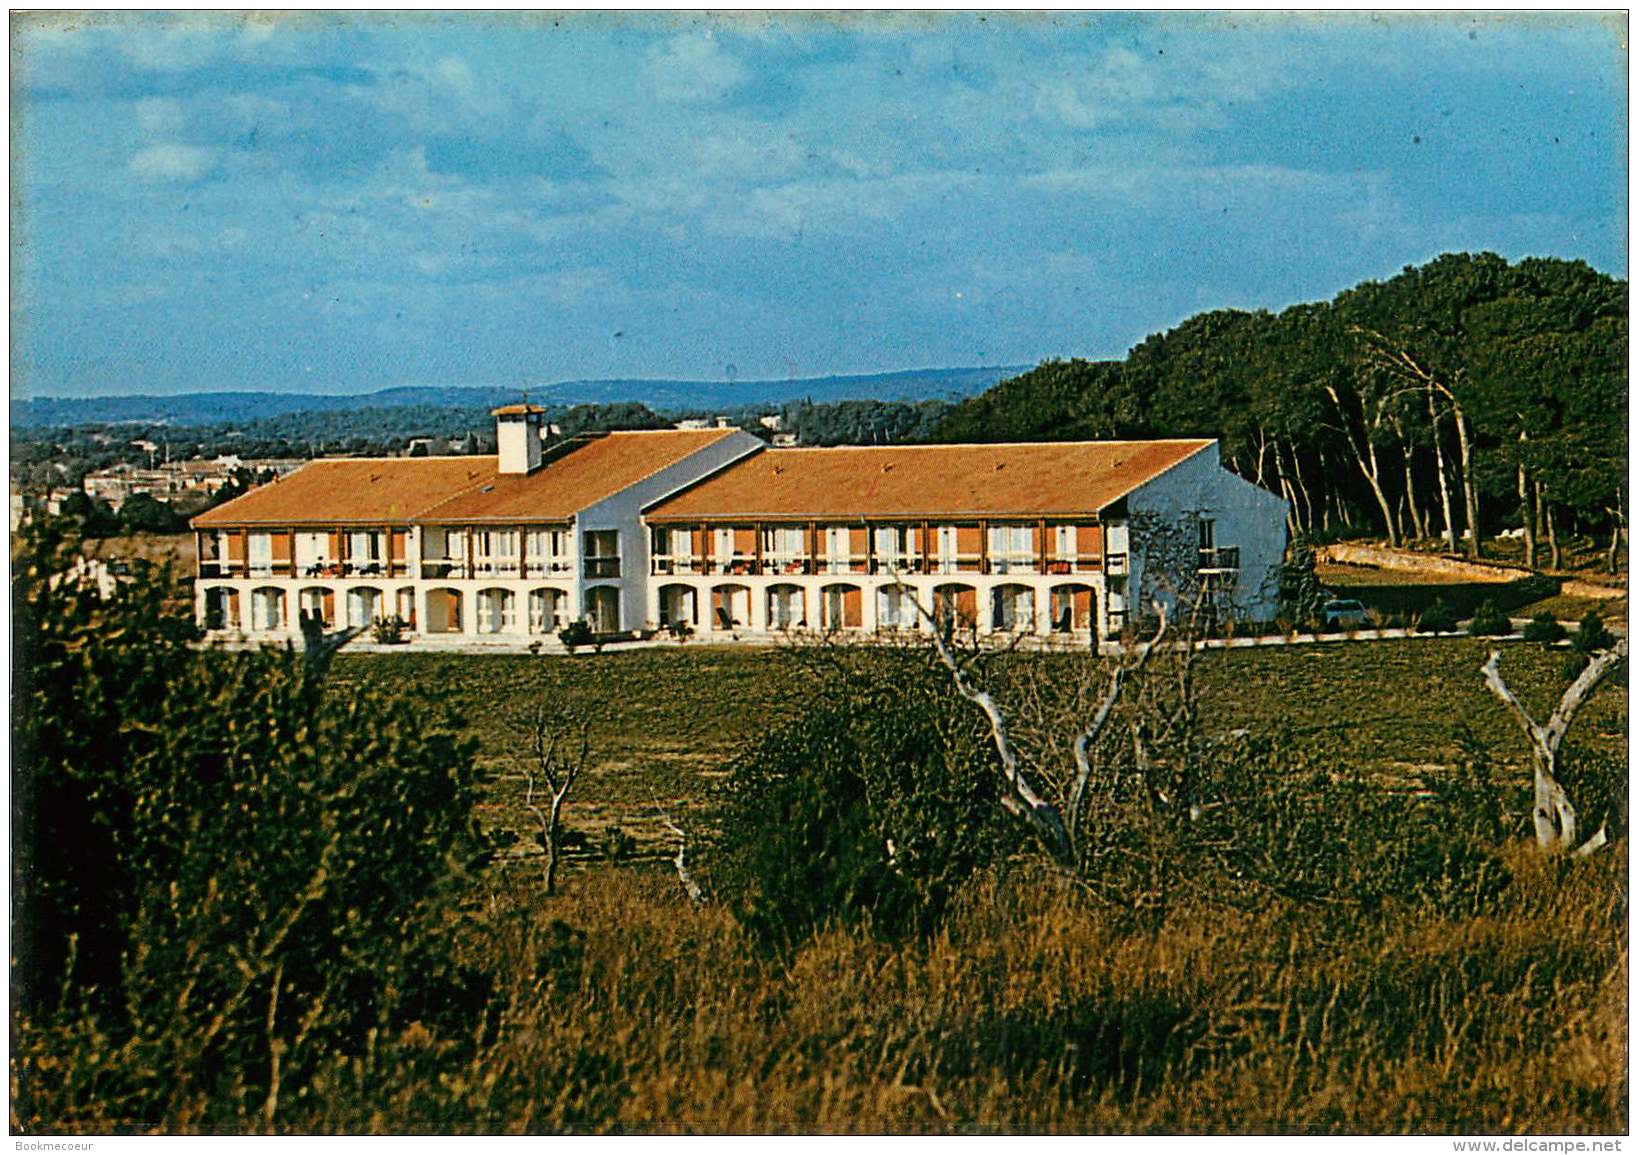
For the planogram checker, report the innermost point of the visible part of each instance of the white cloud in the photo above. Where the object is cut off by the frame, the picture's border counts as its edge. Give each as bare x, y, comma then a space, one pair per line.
172, 162
160, 116
693, 69
173, 45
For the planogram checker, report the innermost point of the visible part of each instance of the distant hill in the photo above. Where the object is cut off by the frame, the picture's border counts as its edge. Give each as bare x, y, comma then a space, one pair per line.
214, 408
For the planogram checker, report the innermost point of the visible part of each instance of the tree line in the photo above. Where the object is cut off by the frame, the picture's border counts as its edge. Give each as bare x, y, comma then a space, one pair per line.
1456, 399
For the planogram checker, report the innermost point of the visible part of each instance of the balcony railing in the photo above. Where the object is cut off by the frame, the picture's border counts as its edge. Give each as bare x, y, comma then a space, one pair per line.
1115, 563
1022, 562
1074, 563
556, 565
443, 567
601, 567
496, 567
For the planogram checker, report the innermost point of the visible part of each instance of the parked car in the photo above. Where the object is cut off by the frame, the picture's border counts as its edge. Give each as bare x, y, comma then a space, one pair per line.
1342, 614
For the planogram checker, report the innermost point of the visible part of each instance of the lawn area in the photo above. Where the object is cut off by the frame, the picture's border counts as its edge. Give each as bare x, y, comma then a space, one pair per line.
665, 721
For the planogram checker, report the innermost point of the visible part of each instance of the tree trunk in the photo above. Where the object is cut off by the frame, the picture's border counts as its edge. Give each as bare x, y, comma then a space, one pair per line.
1470, 493
554, 842
1372, 475
1618, 521
1544, 507
1418, 523
1293, 513
1528, 515
1444, 482
1302, 486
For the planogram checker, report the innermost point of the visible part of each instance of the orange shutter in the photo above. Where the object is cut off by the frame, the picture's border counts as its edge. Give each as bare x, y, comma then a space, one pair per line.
329, 607
398, 545
236, 546
702, 543
281, 547
232, 609
1089, 540
852, 608
744, 541
335, 545
967, 605
968, 540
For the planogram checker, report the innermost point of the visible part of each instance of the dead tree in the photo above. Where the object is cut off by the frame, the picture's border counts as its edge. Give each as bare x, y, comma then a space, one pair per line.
1054, 827
1555, 819
556, 769
690, 888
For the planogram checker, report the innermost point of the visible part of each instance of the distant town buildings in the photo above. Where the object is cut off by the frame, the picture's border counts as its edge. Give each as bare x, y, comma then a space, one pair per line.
172, 480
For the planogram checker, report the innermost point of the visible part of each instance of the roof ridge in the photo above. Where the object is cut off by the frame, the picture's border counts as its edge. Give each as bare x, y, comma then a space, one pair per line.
996, 444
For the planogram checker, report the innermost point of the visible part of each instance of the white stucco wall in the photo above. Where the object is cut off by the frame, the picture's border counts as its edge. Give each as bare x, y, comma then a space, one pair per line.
622, 512
1247, 516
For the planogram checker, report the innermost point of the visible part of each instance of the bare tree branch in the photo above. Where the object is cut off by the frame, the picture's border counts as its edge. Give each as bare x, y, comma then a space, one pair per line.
1019, 797
1554, 816
690, 887
559, 773
1111, 695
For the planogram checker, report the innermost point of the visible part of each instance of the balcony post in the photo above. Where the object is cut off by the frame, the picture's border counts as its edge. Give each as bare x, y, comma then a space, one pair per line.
470, 563
983, 546
756, 546
523, 551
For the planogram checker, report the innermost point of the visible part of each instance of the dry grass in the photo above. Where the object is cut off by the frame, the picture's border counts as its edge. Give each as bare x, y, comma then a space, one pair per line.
617, 1007
1033, 1012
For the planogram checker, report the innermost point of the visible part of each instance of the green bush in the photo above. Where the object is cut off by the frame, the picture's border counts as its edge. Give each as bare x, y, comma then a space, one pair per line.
1488, 621
230, 878
1544, 627
1591, 636
389, 631
1438, 618
874, 807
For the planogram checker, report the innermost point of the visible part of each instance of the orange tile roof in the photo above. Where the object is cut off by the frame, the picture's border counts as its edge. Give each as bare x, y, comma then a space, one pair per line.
516, 410
1033, 479
584, 476
376, 490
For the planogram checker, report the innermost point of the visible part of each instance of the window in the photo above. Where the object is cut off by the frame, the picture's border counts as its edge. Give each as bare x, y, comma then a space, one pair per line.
893, 549
782, 549
548, 551
312, 552
601, 552
545, 611
838, 549
495, 551
673, 550
947, 549
364, 547
1012, 548
894, 609
363, 607
267, 609
261, 553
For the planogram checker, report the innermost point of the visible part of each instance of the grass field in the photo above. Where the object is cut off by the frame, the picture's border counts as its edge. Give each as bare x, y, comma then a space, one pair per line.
1467, 987
665, 721
1032, 1009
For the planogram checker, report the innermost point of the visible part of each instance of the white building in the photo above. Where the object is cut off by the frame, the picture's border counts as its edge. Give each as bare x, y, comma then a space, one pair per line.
710, 530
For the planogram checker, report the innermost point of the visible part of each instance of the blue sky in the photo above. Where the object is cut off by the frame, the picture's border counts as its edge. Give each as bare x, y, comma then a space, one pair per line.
318, 203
